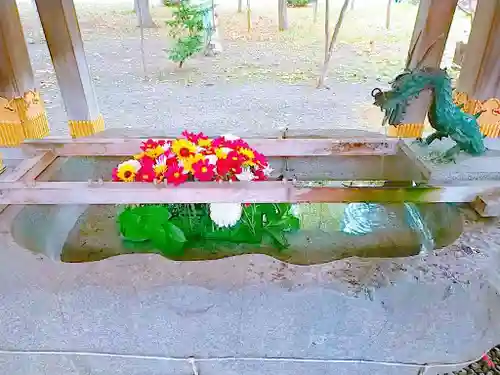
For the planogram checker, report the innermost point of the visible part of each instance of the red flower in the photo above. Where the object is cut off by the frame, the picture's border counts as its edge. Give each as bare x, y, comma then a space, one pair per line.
259, 175
486, 358
145, 175
223, 142
260, 159
175, 175
203, 171
147, 163
114, 177
192, 137
219, 142
149, 144
235, 158
229, 165
239, 143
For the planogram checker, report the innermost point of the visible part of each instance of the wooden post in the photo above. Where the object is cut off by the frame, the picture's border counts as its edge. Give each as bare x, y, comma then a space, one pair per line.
22, 114
427, 43
64, 40
479, 82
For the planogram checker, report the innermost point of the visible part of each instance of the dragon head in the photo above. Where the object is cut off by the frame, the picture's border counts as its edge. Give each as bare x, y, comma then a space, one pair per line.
405, 87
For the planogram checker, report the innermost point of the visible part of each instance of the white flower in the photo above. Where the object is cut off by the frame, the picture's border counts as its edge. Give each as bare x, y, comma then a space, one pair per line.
225, 214
230, 137
161, 161
212, 159
134, 163
268, 170
295, 210
246, 175
226, 150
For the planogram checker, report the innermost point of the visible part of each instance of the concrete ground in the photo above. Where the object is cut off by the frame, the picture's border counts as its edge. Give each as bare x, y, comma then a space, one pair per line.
143, 314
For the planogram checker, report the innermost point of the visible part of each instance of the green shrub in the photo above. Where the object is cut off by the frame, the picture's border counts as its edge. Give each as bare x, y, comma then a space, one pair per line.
298, 3
187, 28
171, 3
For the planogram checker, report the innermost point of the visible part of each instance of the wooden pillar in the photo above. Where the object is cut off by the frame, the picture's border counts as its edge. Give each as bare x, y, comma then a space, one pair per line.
22, 114
478, 87
60, 25
428, 41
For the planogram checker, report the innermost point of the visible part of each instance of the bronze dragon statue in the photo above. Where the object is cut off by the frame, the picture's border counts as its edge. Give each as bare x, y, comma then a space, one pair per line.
445, 117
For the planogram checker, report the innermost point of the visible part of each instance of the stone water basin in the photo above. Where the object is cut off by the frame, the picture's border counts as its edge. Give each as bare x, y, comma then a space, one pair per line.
328, 232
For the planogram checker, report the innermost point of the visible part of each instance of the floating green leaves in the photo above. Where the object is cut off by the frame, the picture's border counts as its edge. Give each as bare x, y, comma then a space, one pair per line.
151, 222
172, 228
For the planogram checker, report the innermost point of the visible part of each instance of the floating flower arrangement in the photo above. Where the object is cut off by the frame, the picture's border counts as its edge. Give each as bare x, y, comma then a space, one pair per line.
196, 158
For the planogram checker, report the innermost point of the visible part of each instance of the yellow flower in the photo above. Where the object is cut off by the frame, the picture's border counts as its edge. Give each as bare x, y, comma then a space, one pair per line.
139, 156
220, 153
127, 170
249, 155
153, 153
183, 148
187, 163
205, 142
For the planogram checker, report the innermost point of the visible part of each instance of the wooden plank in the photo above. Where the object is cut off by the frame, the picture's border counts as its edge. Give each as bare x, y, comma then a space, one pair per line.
30, 168
264, 192
269, 147
488, 203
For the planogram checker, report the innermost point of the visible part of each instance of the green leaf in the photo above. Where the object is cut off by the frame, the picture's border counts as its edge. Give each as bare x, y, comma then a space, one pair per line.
277, 236
156, 213
131, 226
174, 233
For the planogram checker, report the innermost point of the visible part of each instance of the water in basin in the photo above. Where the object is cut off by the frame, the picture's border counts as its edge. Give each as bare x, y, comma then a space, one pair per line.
327, 232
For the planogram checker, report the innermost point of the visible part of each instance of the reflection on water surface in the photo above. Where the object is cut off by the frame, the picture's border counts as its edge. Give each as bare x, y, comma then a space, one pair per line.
328, 232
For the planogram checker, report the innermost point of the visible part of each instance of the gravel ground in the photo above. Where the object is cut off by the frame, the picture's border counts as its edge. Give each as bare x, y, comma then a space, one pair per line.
486, 366
262, 81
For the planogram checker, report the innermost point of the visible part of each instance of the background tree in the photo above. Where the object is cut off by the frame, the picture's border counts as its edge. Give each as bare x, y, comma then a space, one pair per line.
249, 16
143, 12
329, 50
388, 15
315, 17
282, 15
240, 6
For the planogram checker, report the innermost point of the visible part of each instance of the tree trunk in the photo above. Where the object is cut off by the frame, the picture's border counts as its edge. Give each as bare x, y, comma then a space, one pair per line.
327, 26
282, 15
352, 4
249, 16
316, 11
329, 52
143, 13
240, 6
388, 15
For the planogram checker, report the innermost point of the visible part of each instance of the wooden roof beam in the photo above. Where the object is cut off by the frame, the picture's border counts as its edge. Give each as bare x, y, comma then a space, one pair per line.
22, 114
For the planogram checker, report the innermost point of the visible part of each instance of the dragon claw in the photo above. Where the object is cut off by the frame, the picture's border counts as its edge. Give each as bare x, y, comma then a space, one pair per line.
419, 141
448, 156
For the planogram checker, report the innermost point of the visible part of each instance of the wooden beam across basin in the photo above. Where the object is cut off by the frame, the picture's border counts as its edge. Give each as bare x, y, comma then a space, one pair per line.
403, 179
